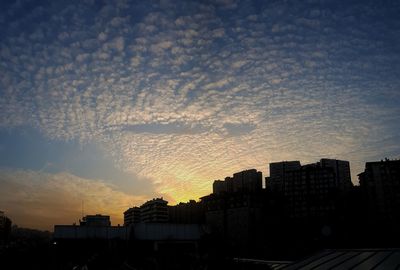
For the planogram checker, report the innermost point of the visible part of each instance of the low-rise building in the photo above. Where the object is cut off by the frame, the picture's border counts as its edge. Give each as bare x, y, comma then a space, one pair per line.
97, 220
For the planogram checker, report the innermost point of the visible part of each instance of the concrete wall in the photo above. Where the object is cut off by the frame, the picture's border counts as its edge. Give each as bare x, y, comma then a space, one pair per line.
166, 231
86, 232
140, 231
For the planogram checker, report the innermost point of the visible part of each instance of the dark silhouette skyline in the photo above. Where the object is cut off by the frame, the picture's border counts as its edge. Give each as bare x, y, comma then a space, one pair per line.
303, 210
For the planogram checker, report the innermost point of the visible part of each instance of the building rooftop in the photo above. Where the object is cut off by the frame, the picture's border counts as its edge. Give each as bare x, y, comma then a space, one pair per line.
348, 259
339, 259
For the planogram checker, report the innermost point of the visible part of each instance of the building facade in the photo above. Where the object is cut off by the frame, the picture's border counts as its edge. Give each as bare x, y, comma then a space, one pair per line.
97, 220
236, 217
5, 228
277, 174
219, 186
191, 212
244, 181
279, 171
310, 192
248, 180
154, 211
132, 216
380, 182
341, 171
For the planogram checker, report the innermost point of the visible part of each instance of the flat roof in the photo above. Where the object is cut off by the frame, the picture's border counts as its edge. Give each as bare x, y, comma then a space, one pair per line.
379, 259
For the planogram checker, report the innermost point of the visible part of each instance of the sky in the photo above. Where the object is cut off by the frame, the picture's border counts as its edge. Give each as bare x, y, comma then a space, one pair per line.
106, 104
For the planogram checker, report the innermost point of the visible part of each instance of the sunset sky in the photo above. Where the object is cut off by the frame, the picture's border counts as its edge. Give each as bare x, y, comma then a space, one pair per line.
112, 103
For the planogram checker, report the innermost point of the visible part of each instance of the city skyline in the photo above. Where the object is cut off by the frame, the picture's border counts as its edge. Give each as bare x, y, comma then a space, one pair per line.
113, 102
250, 186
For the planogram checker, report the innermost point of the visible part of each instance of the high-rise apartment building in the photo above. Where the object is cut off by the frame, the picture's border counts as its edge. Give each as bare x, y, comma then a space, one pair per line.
311, 190
244, 181
380, 183
229, 184
132, 216
153, 211
248, 180
5, 228
277, 173
186, 213
219, 186
341, 170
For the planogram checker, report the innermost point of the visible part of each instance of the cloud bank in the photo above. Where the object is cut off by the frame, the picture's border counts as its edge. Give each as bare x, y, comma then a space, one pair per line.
40, 200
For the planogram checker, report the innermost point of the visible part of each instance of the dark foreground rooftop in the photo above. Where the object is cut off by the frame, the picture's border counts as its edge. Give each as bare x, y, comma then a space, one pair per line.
378, 259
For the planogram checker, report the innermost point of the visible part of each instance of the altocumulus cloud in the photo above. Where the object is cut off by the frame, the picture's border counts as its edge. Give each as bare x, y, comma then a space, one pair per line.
182, 93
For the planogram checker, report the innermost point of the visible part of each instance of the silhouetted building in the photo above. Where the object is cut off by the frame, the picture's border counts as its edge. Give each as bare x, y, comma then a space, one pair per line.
341, 171
2, 219
277, 173
5, 228
74, 232
280, 170
236, 217
219, 186
249, 180
310, 192
186, 213
92, 227
244, 181
154, 211
380, 182
229, 184
132, 216
95, 221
